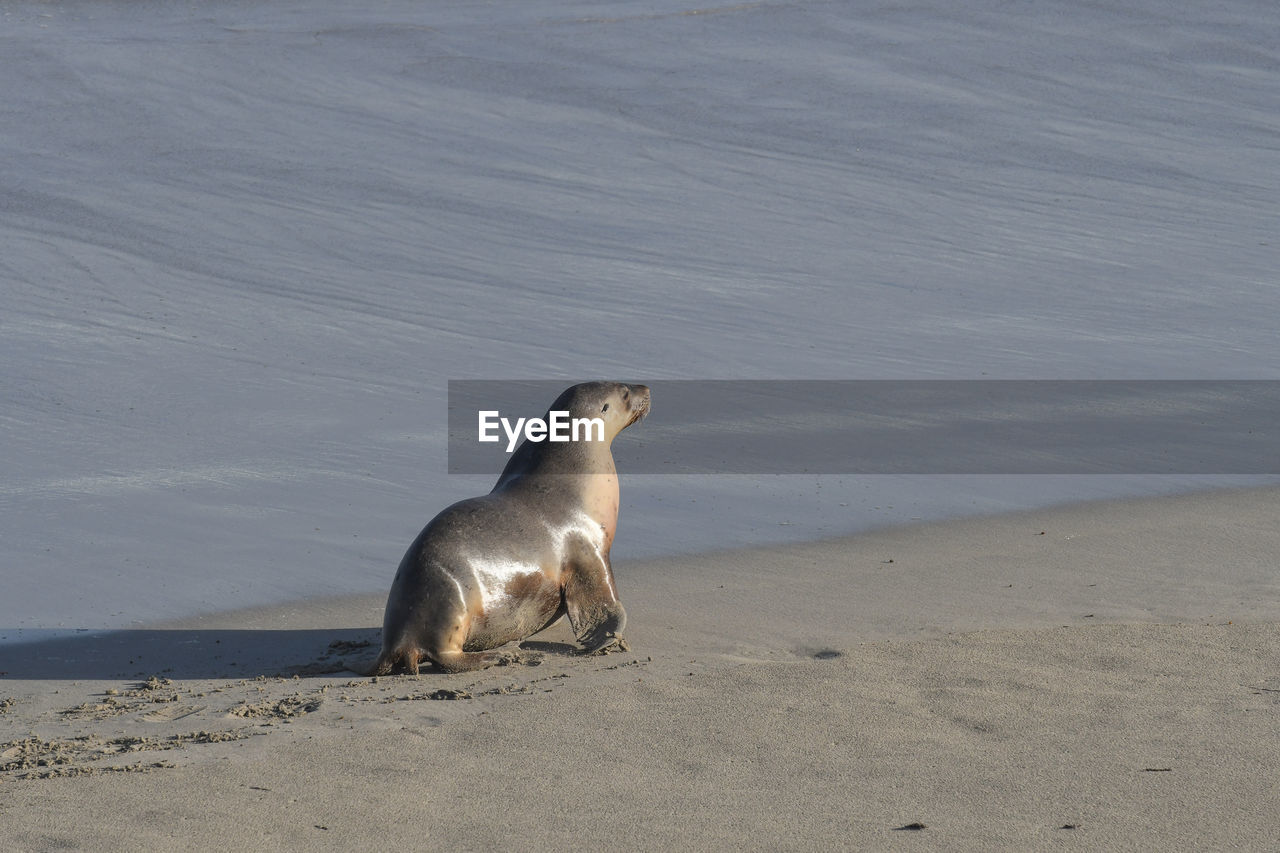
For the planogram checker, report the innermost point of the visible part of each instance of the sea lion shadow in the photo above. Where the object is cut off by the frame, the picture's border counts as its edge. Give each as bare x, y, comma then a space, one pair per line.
185, 654
550, 648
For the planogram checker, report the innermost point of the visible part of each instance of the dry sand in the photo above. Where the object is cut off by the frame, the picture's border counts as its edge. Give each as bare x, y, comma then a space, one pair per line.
1103, 676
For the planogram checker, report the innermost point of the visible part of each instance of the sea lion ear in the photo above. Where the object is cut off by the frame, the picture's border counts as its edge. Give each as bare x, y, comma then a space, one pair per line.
605, 407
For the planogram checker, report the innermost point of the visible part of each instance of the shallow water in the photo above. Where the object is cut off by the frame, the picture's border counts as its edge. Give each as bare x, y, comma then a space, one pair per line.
245, 247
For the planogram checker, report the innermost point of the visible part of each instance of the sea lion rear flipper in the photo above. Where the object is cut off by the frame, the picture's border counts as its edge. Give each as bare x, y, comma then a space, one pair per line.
368, 667
385, 663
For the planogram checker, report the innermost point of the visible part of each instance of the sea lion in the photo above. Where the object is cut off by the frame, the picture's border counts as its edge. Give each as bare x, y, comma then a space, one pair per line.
493, 569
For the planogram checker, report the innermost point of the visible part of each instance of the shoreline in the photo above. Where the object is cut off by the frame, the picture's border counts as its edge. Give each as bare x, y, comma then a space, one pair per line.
340, 605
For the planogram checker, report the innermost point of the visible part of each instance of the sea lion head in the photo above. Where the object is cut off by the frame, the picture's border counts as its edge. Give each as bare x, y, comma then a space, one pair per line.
617, 404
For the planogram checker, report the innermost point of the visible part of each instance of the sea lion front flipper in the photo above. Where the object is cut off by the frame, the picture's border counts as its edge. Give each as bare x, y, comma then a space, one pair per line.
596, 617
612, 643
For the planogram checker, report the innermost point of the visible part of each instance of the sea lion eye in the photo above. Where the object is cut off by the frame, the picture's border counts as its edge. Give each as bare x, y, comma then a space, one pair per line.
606, 408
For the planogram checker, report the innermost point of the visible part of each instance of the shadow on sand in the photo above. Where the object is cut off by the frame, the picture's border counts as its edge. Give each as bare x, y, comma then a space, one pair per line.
221, 653
228, 653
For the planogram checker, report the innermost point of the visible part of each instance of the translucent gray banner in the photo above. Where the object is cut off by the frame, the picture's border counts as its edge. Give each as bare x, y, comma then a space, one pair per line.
910, 427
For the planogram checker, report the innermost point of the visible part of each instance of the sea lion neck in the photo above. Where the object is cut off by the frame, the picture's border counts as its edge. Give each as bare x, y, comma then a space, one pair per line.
560, 465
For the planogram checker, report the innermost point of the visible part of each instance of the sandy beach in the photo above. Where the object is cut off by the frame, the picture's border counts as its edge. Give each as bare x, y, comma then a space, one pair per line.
1103, 675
